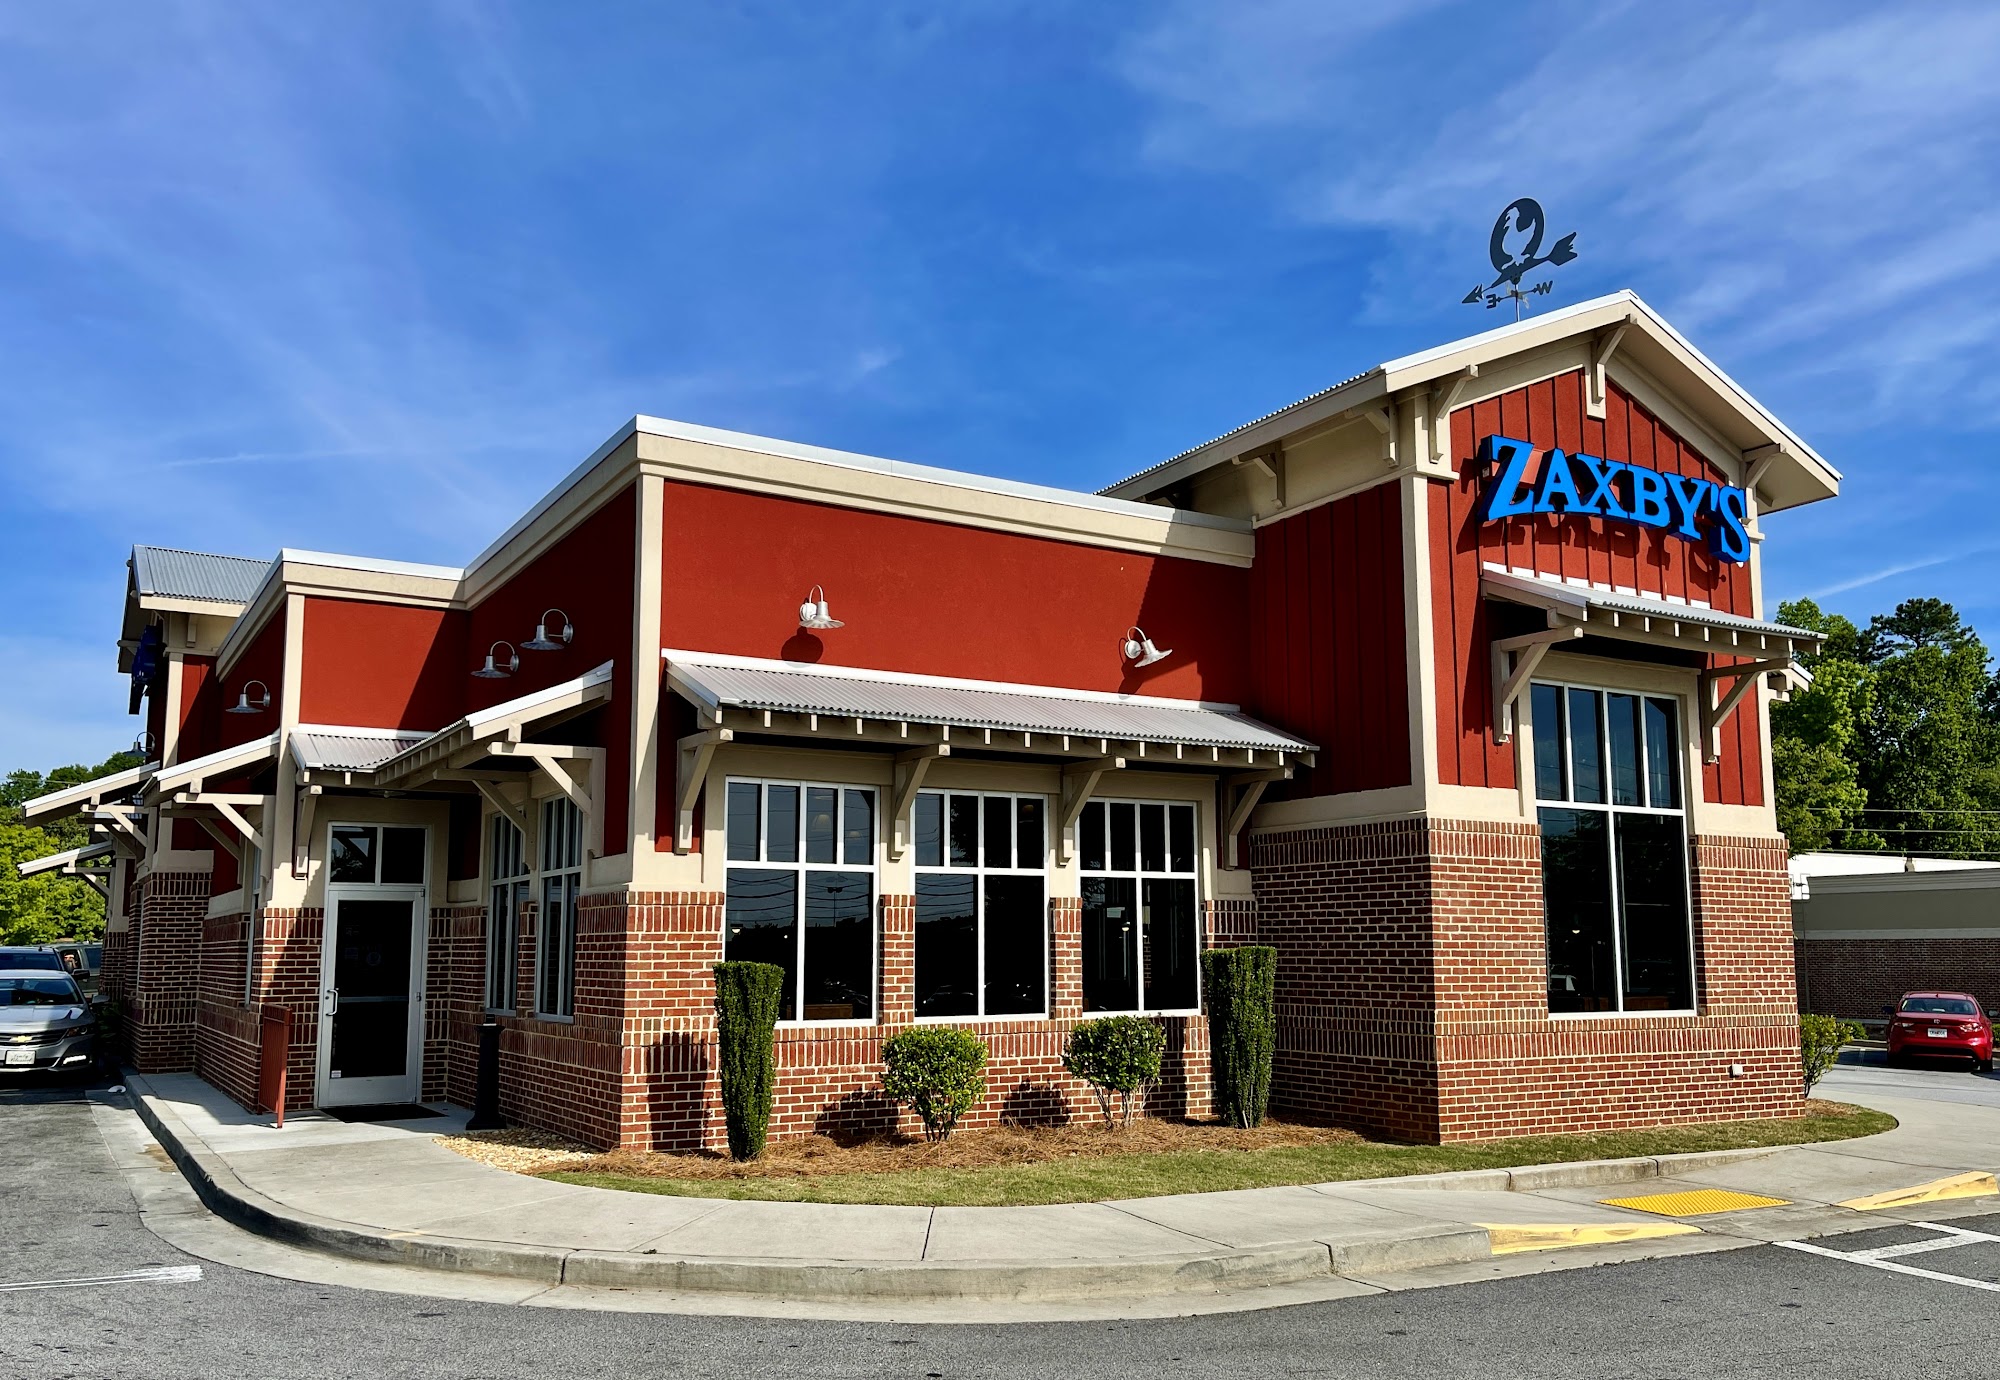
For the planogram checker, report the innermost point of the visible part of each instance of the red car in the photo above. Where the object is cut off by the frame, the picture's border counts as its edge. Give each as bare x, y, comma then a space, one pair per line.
1941, 1025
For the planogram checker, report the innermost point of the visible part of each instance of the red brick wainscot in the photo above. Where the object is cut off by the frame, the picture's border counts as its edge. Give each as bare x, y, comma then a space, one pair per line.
1413, 996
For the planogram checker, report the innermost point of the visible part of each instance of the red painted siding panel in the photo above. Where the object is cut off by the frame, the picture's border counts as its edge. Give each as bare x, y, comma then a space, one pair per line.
1330, 655
263, 660
1550, 413
381, 665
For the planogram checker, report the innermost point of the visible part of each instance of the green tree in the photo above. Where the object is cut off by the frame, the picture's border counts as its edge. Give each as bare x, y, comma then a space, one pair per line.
35, 910
1816, 736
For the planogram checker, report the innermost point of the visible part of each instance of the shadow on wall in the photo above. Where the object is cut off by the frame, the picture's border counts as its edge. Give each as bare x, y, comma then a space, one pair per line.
1034, 1104
862, 1115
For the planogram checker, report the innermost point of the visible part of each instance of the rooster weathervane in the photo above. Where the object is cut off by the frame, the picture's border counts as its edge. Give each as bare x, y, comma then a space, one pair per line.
1516, 250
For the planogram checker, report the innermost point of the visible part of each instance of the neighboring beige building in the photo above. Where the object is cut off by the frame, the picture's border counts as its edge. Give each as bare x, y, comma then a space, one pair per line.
1870, 928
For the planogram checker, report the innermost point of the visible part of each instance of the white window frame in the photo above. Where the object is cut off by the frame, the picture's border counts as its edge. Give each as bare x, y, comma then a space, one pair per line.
1688, 785
518, 886
873, 868
979, 875
559, 837
1140, 876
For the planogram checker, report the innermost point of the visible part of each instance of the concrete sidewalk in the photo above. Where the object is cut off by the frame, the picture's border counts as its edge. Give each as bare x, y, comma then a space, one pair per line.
387, 1192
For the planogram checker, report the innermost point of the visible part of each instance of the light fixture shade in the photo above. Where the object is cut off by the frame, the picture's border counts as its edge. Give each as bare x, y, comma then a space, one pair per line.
490, 671
245, 705
541, 641
1139, 649
813, 612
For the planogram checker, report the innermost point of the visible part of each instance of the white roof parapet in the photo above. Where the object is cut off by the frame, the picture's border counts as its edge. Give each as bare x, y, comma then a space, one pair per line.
589, 688
716, 684
214, 764
64, 861
73, 799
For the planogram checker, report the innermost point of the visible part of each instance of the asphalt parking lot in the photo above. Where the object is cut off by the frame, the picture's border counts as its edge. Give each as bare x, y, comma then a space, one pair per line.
87, 1290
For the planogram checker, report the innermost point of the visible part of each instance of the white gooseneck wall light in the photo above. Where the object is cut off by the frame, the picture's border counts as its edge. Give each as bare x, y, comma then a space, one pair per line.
813, 614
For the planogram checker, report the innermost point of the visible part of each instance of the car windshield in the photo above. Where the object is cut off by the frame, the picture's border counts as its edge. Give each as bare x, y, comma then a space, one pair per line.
1939, 1006
39, 991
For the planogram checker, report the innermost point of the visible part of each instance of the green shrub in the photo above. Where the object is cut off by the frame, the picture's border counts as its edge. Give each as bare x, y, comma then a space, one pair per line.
937, 1072
747, 997
1116, 1054
1242, 1029
1820, 1039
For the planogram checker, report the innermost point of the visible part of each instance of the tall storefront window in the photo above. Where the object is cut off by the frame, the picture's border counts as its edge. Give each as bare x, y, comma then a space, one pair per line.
507, 890
982, 905
1141, 923
555, 929
805, 900
1614, 850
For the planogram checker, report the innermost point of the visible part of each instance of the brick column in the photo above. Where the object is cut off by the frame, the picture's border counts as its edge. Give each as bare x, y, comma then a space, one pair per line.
897, 958
1066, 958
160, 1015
290, 945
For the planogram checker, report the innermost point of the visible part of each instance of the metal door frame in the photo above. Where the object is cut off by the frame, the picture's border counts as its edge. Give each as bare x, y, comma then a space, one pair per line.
408, 1088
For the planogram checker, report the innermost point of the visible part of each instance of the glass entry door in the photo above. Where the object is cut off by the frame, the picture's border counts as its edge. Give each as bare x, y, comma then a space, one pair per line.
371, 1001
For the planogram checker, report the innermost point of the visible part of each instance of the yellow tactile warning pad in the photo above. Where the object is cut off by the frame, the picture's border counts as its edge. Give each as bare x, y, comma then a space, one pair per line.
1510, 1237
1969, 1185
1695, 1202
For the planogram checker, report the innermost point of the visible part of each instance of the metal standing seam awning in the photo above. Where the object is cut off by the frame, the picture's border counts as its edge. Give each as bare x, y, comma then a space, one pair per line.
922, 718
1574, 611
183, 787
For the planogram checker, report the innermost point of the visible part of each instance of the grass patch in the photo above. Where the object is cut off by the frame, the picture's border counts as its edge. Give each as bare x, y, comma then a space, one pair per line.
1013, 1166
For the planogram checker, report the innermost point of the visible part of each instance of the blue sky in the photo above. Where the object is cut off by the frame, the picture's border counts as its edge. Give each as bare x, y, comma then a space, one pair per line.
370, 276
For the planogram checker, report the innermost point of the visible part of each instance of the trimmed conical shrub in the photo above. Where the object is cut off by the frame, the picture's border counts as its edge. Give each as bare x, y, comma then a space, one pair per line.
747, 998
1242, 1029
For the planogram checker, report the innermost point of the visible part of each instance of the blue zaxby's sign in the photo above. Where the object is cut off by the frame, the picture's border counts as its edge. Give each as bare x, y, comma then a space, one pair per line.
1589, 486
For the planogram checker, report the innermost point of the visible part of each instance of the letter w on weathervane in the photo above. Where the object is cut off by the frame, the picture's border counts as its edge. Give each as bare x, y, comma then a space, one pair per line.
1579, 485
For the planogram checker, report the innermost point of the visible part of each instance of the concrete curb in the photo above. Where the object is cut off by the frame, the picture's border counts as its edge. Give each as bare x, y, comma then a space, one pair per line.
1015, 1281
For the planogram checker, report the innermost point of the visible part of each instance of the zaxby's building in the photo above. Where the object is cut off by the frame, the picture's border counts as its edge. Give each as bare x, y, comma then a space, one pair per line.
1450, 682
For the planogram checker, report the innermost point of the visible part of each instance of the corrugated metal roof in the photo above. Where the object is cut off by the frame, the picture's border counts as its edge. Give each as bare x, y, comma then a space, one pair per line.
322, 747
172, 574
1541, 592
796, 688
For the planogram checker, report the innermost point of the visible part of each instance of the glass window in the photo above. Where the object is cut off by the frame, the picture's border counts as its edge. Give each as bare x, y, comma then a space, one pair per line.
507, 891
808, 906
1141, 915
353, 857
982, 920
1614, 851
555, 929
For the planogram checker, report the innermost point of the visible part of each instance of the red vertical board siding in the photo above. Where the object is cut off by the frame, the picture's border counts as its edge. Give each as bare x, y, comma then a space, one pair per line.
1551, 414
1331, 660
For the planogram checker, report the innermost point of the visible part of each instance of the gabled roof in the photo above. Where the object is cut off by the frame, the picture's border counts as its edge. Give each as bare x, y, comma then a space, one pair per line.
1799, 474
336, 747
520, 713
166, 573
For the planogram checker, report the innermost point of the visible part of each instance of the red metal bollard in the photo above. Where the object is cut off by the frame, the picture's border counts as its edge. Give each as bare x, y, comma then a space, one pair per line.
275, 1052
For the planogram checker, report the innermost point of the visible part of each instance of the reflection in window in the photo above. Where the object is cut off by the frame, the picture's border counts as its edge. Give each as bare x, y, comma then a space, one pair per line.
1614, 851
982, 905
1141, 917
808, 906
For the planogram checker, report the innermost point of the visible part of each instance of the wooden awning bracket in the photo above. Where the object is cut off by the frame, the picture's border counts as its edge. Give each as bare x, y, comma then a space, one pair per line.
911, 768
1600, 360
1715, 711
1444, 396
1525, 654
1079, 783
692, 755
305, 806
1240, 794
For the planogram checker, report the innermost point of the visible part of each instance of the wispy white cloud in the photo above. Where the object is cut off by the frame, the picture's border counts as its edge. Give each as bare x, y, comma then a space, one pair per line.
1814, 188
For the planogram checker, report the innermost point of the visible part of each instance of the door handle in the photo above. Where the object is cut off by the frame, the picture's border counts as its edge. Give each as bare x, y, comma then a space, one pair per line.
330, 1000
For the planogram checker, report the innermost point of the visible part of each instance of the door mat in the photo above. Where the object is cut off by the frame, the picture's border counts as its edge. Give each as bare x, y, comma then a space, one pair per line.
380, 1111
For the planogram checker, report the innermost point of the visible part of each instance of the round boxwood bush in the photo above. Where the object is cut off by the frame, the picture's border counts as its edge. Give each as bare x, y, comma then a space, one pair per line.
1116, 1054
936, 1071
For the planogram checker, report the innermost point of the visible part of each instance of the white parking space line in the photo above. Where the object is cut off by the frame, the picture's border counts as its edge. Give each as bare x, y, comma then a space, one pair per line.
1880, 1258
1958, 1236
156, 1274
